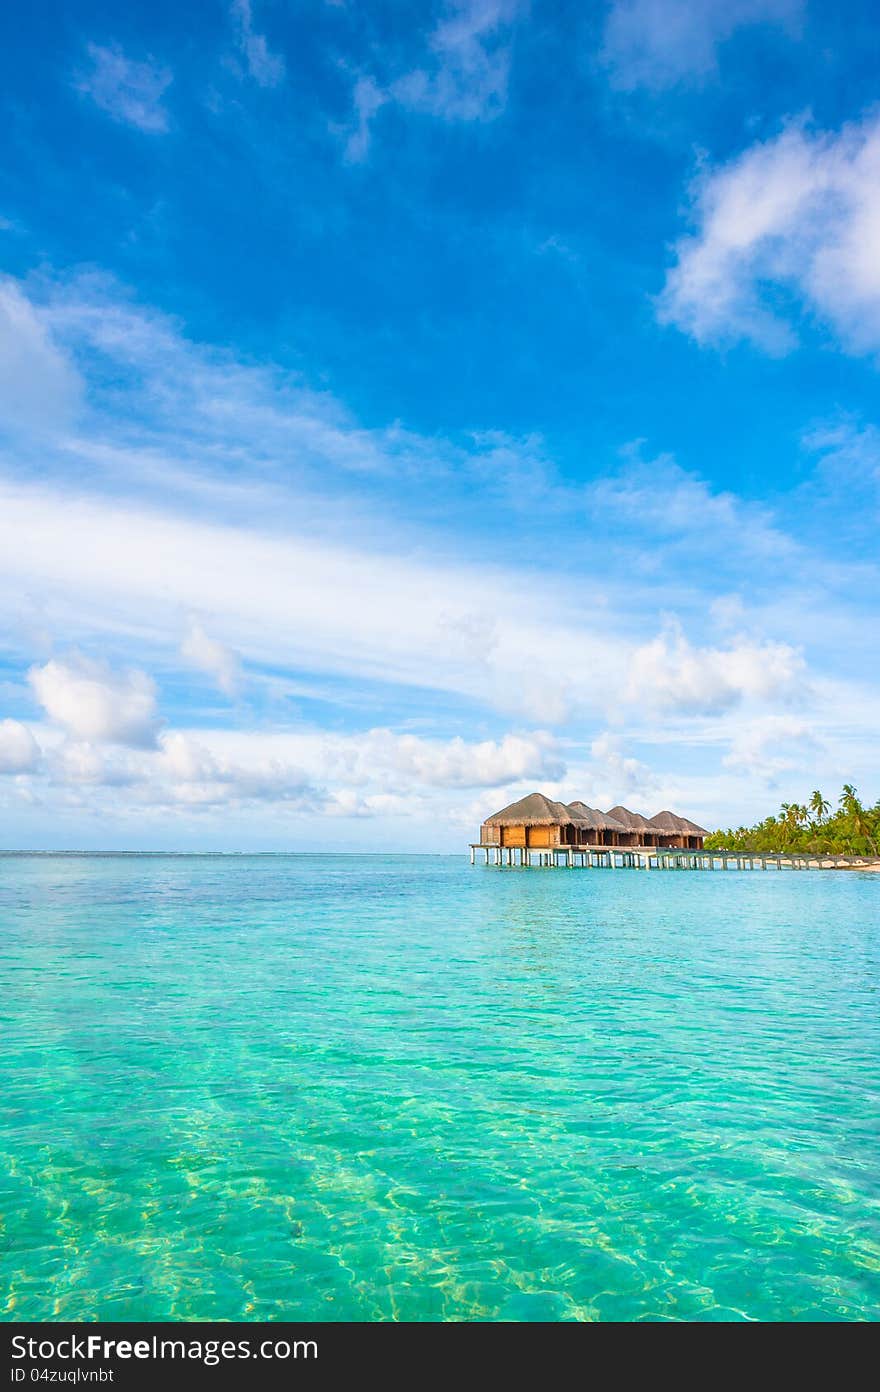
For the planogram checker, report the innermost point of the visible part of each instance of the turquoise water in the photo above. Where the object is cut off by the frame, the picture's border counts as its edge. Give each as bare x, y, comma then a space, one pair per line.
401, 1088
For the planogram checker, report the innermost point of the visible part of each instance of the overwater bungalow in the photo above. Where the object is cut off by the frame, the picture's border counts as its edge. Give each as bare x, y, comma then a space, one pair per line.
637, 824
535, 821
679, 831
539, 822
600, 828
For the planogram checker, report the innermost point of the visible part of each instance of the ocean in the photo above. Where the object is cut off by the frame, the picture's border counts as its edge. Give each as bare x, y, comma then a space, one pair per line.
398, 1087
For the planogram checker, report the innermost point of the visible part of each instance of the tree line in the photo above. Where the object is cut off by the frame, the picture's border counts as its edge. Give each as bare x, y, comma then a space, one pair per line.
814, 827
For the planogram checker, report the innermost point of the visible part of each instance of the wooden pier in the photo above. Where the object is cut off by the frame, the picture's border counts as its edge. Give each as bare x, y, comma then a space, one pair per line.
656, 858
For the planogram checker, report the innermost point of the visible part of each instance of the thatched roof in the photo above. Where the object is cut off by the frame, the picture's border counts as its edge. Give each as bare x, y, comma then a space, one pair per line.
533, 810
670, 821
633, 821
594, 819
538, 810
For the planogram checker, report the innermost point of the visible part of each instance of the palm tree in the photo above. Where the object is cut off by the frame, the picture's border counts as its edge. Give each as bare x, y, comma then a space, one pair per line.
853, 830
818, 806
863, 828
855, 813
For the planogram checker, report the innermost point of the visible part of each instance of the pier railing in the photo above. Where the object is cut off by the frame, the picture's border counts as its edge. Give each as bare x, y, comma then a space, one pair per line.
658, 858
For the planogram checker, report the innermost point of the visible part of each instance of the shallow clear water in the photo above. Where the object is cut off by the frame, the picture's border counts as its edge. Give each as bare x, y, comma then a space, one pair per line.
398, 1087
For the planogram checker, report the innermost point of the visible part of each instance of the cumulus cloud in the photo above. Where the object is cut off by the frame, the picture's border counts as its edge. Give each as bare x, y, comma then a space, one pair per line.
375, 773
265, 67
658, 43
464, 76
212, 657
19, 751
792, 221
39, 387
187, 772
458, 763
74, 762
178, 771
351, 802
129, 91
94, 704
669, 674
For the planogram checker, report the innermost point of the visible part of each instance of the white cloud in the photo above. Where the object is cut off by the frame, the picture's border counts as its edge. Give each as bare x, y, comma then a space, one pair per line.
658, 43
771, 745
467, 80
378, 760
208, 415
458, 763
669, 674
186, 771
94, 703
350, 802
464, 76
615, 775
186, 760
847, 473
200, 485
129, 91
292, 602
728, 612
75, 762
210, 656
39, 387
377, 772
179, 770
19, 751
685, 506
796, 215
367, 98
265, 67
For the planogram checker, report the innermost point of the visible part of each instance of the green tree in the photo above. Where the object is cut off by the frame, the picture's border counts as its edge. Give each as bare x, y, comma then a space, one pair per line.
853, 829
818, 806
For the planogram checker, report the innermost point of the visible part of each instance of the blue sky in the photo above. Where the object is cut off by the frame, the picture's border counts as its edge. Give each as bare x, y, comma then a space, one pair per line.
405, 407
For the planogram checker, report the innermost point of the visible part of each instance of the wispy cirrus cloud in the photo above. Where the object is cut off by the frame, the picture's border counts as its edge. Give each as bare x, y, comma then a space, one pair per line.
686, 512
462, 76
847, 454
216, 659
265, 67
770, 746
40, 387
658, 43
128, 89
